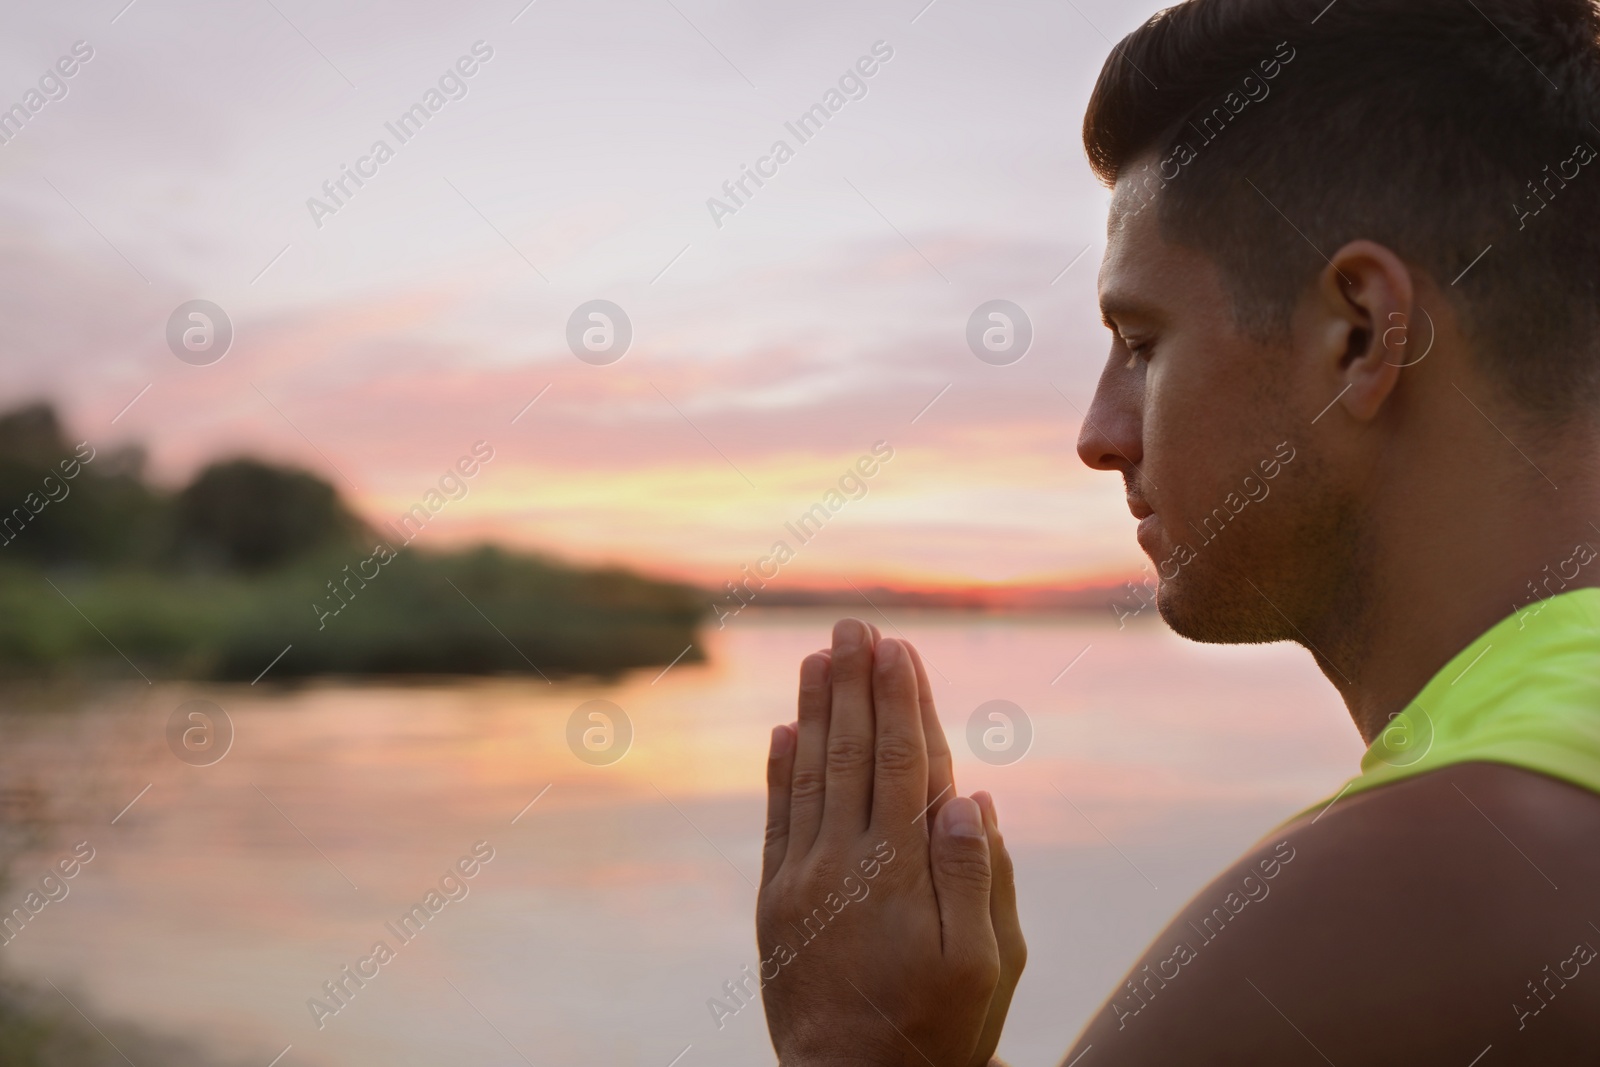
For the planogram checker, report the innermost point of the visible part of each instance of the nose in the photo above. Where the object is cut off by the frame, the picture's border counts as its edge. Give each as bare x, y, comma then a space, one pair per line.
1112, 435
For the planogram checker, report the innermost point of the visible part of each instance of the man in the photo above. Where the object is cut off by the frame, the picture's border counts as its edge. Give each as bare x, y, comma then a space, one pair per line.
1353, 248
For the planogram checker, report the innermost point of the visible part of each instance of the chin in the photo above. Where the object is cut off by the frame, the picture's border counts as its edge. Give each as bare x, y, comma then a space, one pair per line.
1208, 608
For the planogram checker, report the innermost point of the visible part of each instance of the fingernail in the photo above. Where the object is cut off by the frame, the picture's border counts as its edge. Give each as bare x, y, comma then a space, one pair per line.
782, 741
814, 671
991, 814
961, 818
849, 635
889, 654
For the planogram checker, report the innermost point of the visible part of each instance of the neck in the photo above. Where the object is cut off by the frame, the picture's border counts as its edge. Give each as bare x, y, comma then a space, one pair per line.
1460, 549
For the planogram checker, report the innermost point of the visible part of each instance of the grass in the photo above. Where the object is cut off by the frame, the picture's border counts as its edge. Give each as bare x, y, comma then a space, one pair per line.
484, 611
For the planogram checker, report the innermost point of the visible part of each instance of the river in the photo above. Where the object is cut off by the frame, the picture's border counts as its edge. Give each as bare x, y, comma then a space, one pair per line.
619, 901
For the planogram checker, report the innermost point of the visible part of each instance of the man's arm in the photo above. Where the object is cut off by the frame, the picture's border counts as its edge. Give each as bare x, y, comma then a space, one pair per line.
1419, 923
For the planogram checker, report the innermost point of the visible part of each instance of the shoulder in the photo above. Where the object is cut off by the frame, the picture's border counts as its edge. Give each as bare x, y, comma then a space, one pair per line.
1420, 922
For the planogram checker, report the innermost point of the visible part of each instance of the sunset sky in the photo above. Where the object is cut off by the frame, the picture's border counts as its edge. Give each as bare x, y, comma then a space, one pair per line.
772, 346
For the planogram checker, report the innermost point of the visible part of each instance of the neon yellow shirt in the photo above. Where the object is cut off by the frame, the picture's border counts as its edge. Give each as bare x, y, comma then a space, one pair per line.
1526, 693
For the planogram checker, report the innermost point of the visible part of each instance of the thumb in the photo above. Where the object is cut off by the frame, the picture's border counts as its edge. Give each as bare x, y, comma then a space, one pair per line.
961, 878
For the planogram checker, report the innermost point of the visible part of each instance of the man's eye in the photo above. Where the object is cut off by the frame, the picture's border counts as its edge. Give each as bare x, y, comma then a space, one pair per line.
1138, 351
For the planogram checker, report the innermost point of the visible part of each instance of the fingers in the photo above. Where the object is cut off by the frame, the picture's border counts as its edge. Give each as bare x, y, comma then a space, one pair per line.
780, 770
900, 763
1002, 891
941, 770
808, 778
961, 879
1007, 926
851, 733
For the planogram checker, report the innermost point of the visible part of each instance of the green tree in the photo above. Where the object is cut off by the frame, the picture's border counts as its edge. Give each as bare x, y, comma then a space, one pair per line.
247, 515
65, 505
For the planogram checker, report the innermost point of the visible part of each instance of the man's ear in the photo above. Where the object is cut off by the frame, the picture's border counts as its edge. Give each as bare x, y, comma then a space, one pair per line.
1363, 326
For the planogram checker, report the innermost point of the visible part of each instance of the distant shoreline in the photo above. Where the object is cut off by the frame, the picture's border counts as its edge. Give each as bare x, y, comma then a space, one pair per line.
1087, 599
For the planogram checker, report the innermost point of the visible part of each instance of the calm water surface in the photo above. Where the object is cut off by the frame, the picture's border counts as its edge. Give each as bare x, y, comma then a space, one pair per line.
616, 905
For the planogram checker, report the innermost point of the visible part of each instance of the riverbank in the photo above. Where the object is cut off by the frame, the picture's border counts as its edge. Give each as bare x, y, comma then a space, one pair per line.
484, 611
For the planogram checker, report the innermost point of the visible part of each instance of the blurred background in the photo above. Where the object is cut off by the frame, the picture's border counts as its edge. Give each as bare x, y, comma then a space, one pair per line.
437, 431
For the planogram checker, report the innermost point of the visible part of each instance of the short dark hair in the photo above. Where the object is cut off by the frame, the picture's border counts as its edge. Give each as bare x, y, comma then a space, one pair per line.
1282, 129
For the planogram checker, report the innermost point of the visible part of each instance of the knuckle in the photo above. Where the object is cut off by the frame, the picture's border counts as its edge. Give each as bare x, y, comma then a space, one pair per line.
975, 967
806, 786
1005, 876
966, 865
847, 754
851, 669
1016, 955
889, 685
897, 755
980, 970
813, 704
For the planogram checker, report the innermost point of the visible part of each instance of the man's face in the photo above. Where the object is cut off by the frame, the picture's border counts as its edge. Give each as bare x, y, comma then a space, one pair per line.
1205, 425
